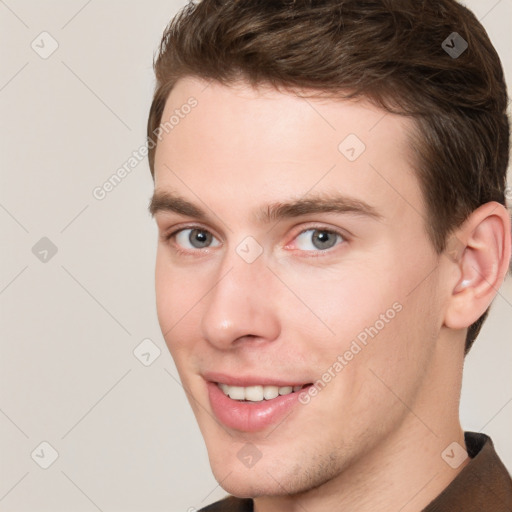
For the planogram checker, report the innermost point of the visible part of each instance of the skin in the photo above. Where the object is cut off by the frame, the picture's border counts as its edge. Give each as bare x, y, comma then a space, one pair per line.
372, 438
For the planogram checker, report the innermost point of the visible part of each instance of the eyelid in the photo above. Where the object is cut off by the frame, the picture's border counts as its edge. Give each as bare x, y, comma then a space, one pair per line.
168, 232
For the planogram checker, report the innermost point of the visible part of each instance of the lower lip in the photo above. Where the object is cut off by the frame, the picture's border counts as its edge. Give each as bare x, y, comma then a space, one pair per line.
250, 416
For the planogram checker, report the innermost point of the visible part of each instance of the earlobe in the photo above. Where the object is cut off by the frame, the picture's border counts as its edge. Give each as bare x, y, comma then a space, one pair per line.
482, 264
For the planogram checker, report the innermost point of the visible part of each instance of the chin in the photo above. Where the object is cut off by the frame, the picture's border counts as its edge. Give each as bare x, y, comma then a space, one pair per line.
271, 477
248, 484
242, 480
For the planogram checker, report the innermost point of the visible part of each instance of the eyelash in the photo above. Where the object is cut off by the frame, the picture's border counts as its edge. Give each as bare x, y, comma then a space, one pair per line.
200, 252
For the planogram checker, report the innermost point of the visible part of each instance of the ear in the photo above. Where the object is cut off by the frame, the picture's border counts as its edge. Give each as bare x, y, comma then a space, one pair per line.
481, 263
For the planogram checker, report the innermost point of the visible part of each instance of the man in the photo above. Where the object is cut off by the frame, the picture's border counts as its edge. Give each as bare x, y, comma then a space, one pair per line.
330, 198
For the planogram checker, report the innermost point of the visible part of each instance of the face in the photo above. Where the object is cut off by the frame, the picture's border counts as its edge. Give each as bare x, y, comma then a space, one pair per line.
294, 281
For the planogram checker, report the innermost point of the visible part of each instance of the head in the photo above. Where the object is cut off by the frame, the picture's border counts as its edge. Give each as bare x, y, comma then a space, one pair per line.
330, 189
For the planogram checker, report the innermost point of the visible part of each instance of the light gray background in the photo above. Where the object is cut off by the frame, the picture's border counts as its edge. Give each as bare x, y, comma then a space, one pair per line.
125, 436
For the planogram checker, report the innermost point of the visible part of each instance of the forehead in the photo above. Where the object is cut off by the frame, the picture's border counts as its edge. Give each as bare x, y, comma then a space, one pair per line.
283, 121
247, 144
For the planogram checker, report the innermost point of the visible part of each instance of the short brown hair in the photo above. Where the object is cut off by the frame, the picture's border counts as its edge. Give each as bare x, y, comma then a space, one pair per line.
390, 52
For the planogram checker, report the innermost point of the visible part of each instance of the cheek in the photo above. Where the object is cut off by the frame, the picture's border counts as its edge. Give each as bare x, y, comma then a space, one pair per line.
370, 311
340, 302
174, 305
396, 359
176, 293
165, 291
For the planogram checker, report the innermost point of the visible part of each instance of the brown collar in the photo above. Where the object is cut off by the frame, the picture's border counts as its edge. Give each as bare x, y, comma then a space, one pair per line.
483, 485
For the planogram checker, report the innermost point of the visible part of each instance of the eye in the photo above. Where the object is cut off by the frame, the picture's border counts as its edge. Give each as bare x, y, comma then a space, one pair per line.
317, 239
194, 238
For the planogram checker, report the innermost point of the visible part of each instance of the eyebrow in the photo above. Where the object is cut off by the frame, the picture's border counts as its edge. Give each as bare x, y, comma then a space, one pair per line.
165, 201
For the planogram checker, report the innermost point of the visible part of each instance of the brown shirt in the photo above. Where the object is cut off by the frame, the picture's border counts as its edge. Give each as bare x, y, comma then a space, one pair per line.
484, 485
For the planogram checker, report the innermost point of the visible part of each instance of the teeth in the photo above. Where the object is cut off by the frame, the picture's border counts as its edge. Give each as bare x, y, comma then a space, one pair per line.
270, 392
236, 393
256, 393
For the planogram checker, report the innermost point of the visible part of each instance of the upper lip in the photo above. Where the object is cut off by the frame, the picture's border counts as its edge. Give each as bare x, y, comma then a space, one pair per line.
251, 380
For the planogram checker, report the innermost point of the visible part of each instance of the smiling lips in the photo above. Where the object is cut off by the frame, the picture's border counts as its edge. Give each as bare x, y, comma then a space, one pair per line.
257, 393
251, 404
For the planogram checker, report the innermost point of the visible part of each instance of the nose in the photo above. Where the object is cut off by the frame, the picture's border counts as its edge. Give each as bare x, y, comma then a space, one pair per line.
241, 305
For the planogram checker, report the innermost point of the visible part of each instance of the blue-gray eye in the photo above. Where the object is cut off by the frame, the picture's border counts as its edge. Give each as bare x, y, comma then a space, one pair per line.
195, 238
317, 239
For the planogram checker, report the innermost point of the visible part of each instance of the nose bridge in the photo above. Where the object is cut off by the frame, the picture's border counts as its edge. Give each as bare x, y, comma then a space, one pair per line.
240, 303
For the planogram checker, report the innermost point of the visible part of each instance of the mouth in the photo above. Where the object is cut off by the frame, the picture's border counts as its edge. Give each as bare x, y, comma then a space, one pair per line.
252, 404
258, 393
